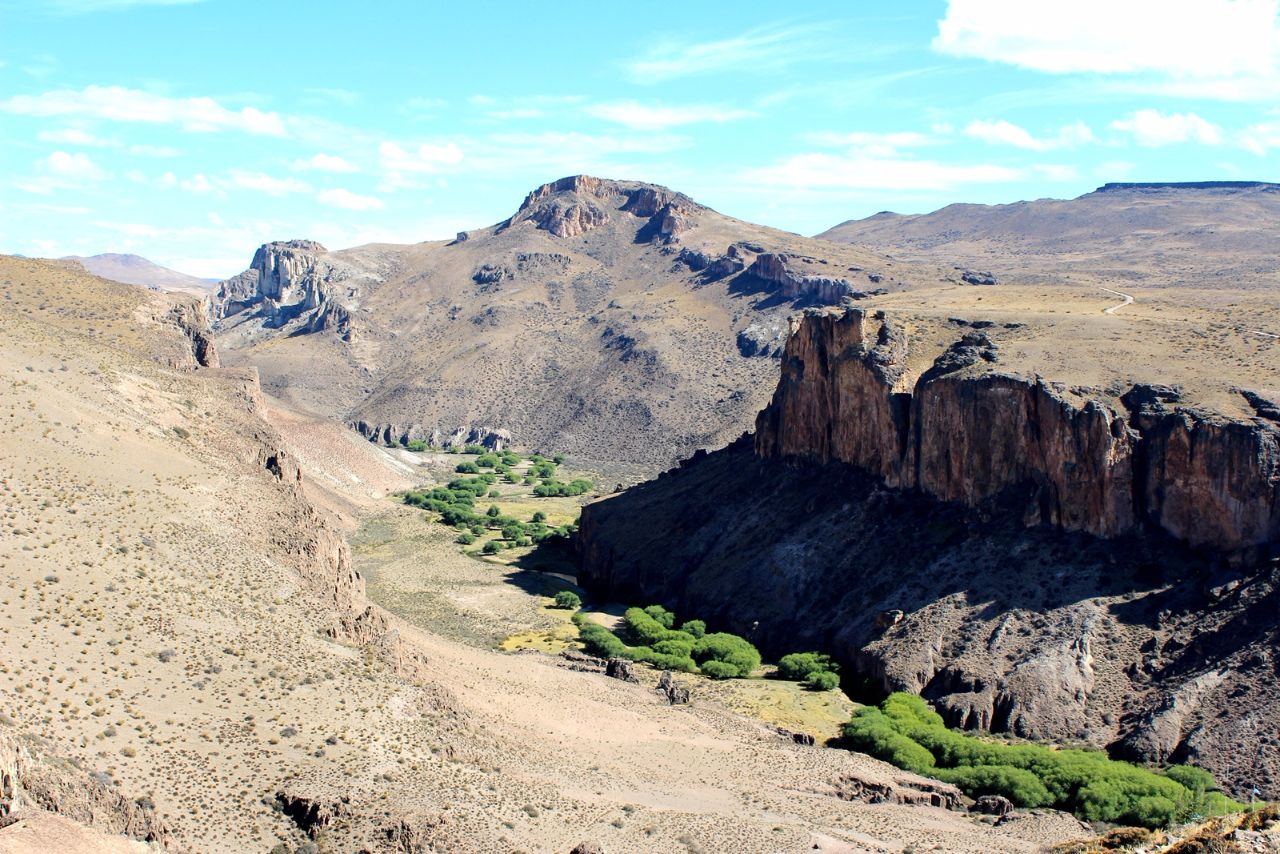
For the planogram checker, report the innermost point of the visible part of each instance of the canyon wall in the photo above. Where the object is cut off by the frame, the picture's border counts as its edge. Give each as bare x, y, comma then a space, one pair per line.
1032, 559
966, 431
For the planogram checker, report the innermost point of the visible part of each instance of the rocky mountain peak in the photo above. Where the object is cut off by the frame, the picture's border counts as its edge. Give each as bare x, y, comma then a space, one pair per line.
579, 203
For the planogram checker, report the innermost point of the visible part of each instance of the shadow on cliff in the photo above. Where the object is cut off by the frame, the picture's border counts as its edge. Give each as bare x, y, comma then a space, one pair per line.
546, 570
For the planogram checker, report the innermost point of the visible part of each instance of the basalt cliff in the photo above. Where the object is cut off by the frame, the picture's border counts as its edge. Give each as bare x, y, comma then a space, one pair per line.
1078, 564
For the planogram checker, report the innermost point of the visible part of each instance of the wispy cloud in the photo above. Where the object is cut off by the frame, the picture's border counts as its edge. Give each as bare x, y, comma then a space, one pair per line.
1007, 133
347, 200
758, 49
657, 117
321, 162
873, 143
1153, 128
820, 170
116, 103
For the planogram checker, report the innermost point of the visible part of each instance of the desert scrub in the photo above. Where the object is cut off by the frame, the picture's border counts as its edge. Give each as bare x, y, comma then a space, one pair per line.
905, 732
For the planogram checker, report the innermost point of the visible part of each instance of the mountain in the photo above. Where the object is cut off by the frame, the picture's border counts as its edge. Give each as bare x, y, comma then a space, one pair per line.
136, 270
1208, 235
619, 321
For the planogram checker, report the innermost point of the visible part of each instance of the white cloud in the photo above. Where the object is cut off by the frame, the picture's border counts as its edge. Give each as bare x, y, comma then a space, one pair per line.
1261, 137
322, 162
1152, 128
268, 184
1057, 171
348, 200
1203, 39
757, 49
76, 166
426, 157
117, 103
1007, 133
857, 171
642, 117
873, 143
73, 136
154, 150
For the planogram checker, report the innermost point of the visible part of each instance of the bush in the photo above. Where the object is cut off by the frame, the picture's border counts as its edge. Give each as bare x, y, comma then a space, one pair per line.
539, 516
666, 618
568, 600
598, 640
474, 449
493, 512
907, 733
728, 649
822, 680
697, 628
719, 669
416, 445
467, 468
487, 461
799, 665
644, 630
466, 539
492, 547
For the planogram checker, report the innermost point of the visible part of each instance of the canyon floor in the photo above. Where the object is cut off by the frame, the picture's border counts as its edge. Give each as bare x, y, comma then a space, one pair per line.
186, 656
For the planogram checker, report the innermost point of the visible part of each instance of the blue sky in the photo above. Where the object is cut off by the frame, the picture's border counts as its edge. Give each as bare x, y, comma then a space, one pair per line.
191, 132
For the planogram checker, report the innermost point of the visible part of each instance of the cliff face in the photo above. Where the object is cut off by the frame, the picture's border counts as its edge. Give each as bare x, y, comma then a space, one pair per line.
966, 432
575, 205
295, 279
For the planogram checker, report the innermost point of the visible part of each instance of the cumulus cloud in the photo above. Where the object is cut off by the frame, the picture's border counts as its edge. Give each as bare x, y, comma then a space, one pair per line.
1007, 133
321, 162
858, 171
1153, 128
654, 117
116, 103
77, 166
427, 157
348, 200
1204, 39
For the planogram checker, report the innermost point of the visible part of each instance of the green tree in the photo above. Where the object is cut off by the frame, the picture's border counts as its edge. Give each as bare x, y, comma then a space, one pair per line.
568, 600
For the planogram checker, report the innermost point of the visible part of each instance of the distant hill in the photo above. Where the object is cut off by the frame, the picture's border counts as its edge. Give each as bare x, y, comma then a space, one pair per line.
1210, 234
136, 270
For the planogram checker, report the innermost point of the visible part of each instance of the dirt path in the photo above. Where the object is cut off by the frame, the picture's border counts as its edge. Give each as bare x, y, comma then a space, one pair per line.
1128, 300
1265, 334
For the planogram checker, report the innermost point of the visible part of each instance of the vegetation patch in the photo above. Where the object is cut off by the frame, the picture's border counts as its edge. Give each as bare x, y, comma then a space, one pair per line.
649, 635
905, 732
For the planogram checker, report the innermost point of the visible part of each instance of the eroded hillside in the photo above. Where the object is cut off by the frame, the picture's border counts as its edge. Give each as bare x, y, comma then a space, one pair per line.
619, 321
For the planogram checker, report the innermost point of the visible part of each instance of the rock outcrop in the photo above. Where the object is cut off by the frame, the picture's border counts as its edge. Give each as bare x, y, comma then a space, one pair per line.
965, 431
493, 438
575, 205
31, 780
826, 290
295, 279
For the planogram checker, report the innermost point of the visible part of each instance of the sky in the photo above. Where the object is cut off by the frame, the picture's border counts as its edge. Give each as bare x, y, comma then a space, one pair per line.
191, 132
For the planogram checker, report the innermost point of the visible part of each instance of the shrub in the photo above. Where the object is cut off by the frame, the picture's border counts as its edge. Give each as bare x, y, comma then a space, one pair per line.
799, 665
729, 649
493, 512
492, 547
466, 539
474, 449
568, 600
719, 669
487, 461
1085, 782
697, 628
493, 493
644, 630
598, 640
662, 615
417, 445
539, 516
467, 468
558, 459
822, 680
